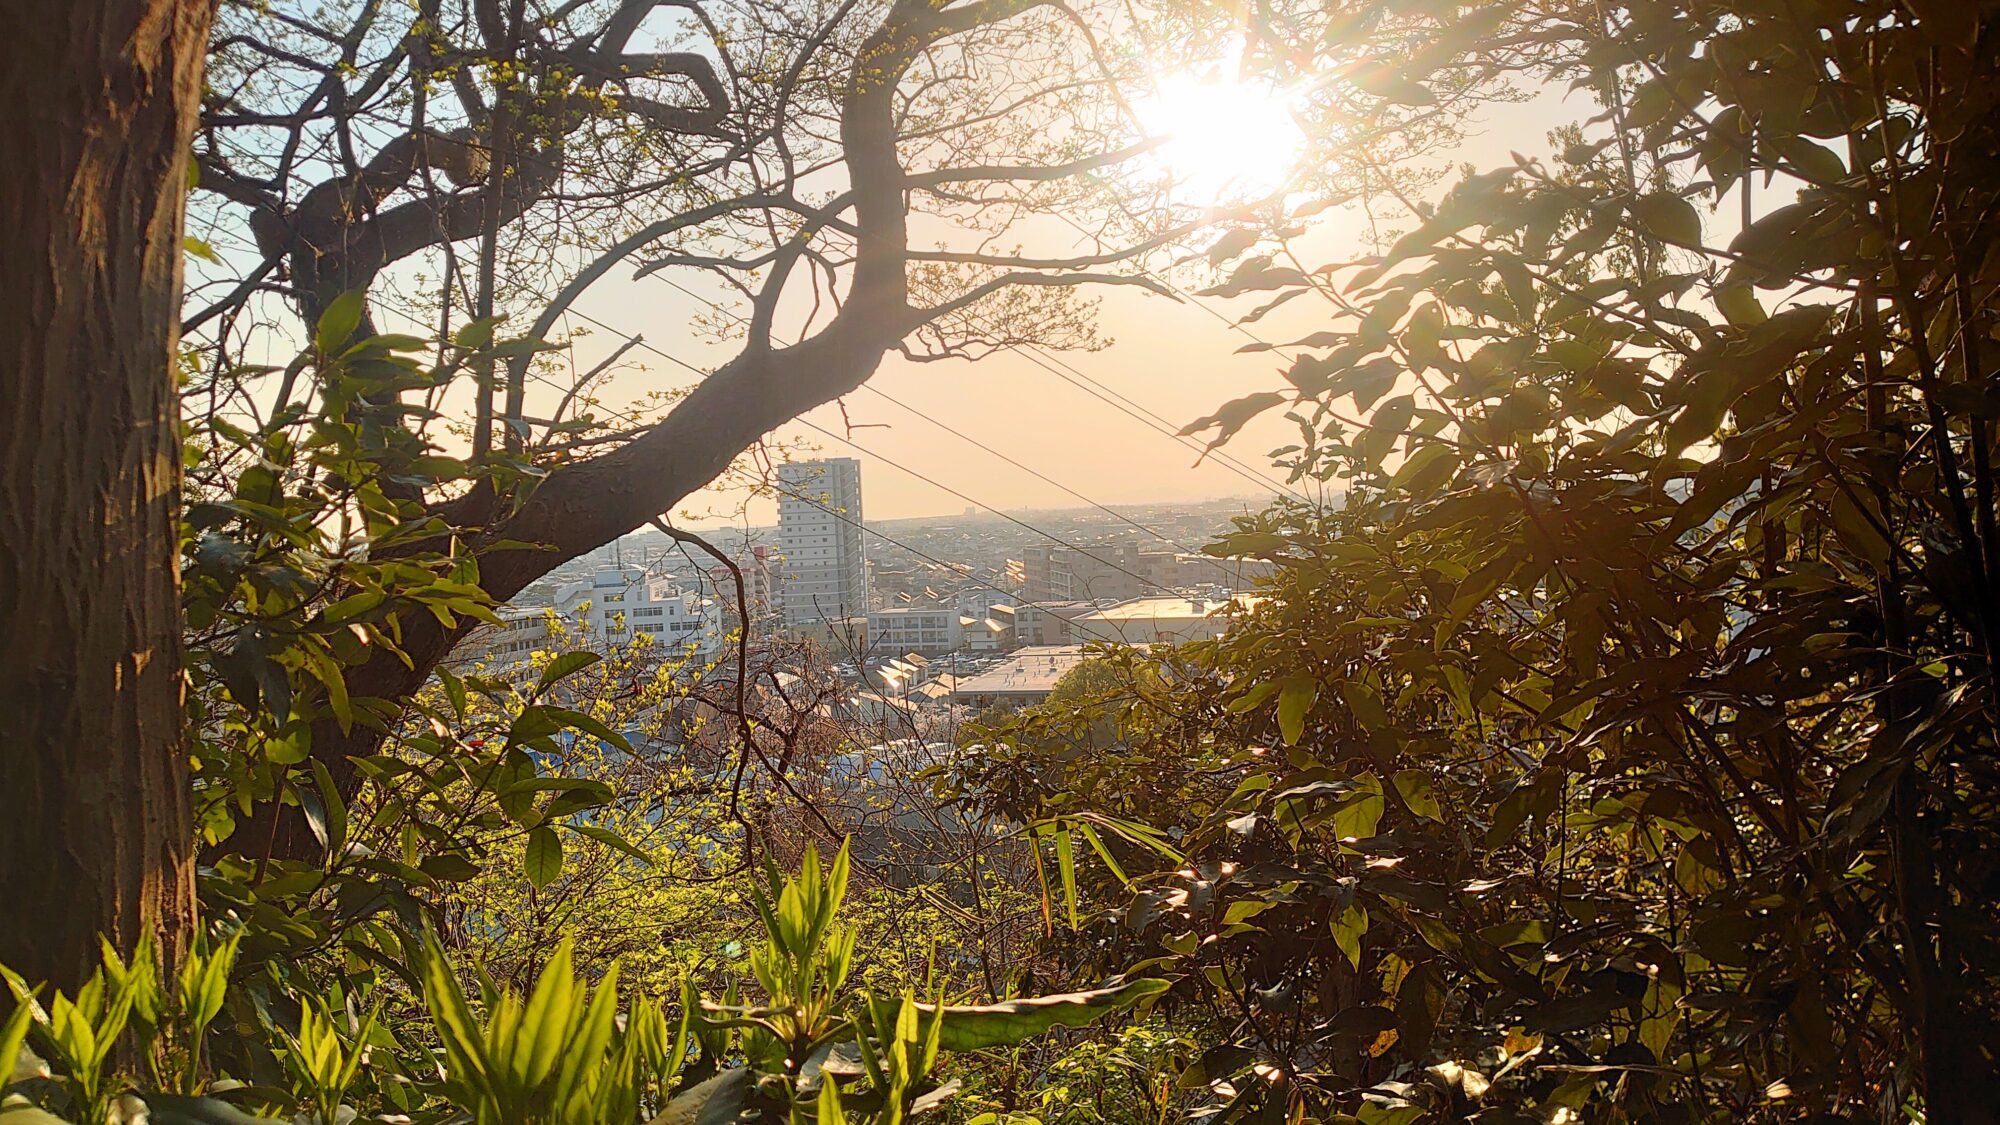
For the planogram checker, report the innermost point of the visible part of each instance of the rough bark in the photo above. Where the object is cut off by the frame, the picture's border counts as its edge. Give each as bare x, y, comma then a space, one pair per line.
94, 823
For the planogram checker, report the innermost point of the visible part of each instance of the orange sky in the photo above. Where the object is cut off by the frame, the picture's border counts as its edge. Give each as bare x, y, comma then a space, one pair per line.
1176, 360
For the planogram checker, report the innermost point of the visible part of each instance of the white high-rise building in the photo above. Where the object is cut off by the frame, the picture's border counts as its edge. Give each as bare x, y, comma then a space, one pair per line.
823, 564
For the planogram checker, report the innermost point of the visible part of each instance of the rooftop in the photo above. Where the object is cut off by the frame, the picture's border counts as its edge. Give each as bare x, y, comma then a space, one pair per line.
1030, 671
1172, 607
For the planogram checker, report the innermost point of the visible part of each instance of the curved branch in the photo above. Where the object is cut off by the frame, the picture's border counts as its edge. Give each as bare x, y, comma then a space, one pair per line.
1034, 172
977, 293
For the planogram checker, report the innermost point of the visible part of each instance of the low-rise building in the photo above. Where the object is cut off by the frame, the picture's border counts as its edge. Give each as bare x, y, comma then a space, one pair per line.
521, 631
928, 630
1120, 571
985, 633
1180, 570
1025, 678
1041, 623
1105, 571
610, 608
889, 715
618, 603
937, 690
1162, 620
757, 569
840, 638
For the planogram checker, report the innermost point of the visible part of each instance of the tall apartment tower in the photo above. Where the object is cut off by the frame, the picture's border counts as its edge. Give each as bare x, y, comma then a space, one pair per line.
823, 566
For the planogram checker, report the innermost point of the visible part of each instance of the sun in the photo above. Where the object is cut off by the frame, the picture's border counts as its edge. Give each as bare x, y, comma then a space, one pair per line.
1223, 140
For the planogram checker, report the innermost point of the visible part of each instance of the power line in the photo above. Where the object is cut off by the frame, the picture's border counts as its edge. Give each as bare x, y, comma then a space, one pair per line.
639, 342
1227, 321
893, 541
934, 483
842, 516
1150, 420
1132, 409
968, 438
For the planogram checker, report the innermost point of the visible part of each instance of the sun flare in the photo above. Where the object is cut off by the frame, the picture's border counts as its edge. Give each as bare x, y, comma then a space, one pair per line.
1223, 139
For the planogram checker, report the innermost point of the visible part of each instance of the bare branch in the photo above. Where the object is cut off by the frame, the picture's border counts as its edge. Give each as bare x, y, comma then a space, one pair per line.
1044, 280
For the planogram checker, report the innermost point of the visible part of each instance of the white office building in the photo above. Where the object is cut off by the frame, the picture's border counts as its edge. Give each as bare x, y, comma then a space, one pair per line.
823, 562
618, 603
609, 609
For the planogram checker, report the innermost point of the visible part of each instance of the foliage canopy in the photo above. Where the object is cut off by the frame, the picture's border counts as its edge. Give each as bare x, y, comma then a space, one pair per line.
1623, 748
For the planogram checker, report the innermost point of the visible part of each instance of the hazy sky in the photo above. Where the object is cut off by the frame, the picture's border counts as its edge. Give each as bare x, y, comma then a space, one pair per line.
1172, 360
1177, 361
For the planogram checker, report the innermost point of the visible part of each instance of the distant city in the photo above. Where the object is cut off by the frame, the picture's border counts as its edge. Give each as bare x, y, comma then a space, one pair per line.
979, 609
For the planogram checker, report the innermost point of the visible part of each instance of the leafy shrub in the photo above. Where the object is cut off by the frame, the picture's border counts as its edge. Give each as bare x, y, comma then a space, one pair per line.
794, 1044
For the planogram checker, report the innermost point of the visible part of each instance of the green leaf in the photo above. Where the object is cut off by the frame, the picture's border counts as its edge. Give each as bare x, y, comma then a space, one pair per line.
449, 867
333, 807
612, 840
1090, 837
589, 726
569, 663
476, 334
1233, 416
1415, 787
1348, 926
1066, 866
1252, 699
717, 1101
520, 347
1295, 698
1815, 162
544, 858
13, 1036
399, 342
1003, 1025
327, 669
354, 605
339, 321
1366, 706
1668, 217
1739, 306
1359, 813
1423, 461
454, 690
167, 1109
1231, 244
457, 1030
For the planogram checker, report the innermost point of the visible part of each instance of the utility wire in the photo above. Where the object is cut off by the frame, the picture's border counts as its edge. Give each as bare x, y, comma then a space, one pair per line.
1230, 322
958, 568
934, 483
1052, 537
1150, 420
1119, 402
1037, 474
968, 438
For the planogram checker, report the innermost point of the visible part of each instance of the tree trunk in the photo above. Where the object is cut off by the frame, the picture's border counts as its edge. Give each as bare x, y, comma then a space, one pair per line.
94, 829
